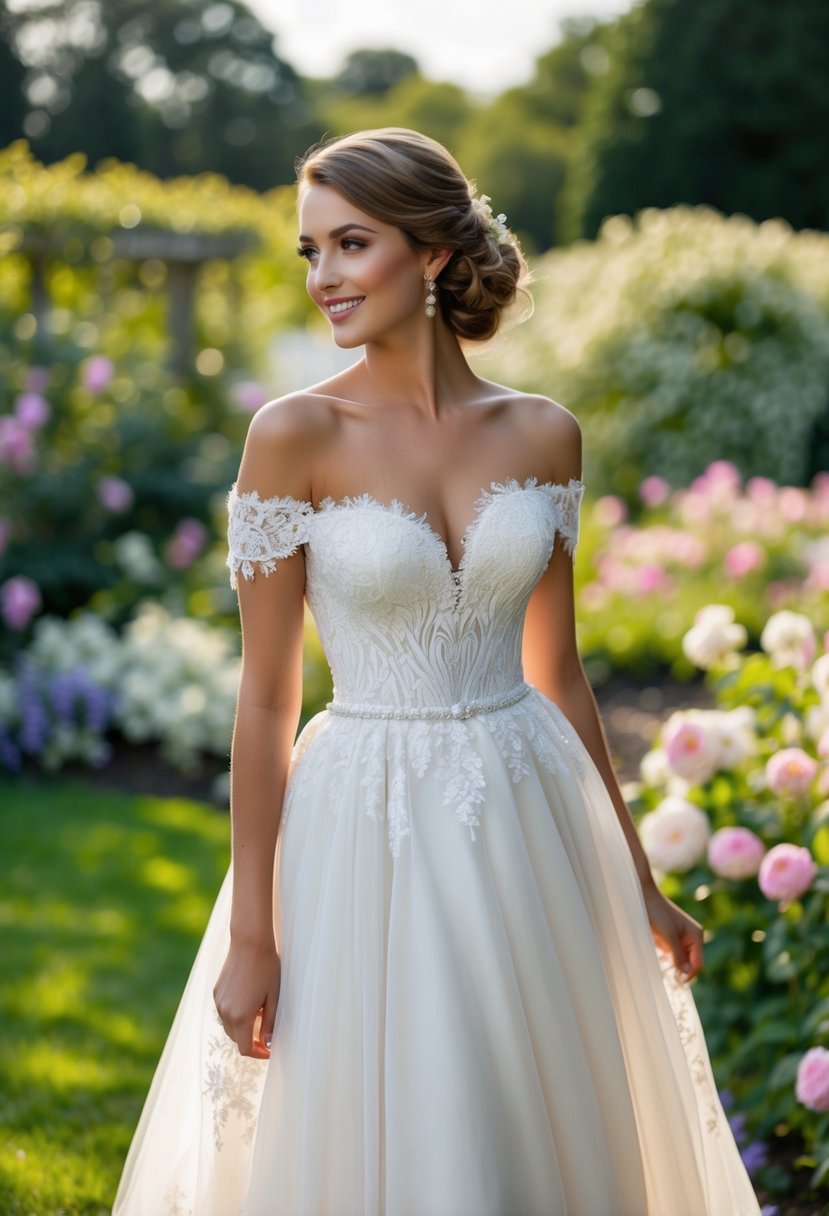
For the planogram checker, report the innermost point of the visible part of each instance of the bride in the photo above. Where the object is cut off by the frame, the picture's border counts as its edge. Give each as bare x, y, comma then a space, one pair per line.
439, 979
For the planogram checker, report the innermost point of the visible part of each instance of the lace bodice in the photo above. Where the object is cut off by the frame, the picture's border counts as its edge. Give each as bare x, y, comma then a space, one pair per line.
400, 627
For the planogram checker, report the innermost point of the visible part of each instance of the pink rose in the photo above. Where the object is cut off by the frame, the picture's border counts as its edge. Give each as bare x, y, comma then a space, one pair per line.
609, 510
20, 599
744, 557
654, 491
812, 1085
735, 853
786, 872
97, 373
115, 494
31, 410
691, 749
186, 544
790, 772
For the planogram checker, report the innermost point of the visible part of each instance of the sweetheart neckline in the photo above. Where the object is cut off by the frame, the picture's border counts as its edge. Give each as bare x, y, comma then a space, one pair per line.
484, 498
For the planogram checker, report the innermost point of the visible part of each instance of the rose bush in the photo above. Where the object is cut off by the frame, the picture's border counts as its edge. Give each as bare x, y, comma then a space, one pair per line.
752, 776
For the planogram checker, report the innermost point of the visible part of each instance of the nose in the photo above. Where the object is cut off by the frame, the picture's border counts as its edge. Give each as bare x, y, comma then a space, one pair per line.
328, 271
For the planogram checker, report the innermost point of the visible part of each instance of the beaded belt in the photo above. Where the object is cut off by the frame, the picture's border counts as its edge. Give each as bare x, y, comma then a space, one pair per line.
467, 709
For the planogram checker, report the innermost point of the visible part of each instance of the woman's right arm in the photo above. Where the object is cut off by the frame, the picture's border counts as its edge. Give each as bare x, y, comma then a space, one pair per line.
275, 463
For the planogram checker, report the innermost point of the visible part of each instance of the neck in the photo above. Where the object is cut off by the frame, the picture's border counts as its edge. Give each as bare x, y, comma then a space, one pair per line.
425, 371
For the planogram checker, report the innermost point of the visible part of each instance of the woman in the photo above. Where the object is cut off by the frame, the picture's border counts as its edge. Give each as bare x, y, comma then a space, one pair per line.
436, 989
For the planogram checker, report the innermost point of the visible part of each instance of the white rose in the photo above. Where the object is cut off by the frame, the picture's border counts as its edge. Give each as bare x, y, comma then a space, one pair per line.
675, 835
713, 636
789, 638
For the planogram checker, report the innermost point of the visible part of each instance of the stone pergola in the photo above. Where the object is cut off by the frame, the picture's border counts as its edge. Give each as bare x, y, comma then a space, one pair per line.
182, 253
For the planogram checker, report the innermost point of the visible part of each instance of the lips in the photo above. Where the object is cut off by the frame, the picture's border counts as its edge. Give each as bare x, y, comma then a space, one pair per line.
341, 307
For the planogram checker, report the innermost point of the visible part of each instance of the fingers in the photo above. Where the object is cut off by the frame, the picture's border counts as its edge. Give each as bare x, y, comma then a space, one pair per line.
267, 1022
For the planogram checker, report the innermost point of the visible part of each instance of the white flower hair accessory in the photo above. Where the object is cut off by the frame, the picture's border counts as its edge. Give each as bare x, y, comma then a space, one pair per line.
496, 225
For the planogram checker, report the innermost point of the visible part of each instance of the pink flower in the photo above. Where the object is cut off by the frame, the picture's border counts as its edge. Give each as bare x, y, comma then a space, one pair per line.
812, 1085
654, 491
20, 599
649, 578
744, 557
31, 410
762, 490
249, 396
691, 749
735, 853
97, 373
115, 494
16, 448
609, 510
790, 772
186, 543
786, 872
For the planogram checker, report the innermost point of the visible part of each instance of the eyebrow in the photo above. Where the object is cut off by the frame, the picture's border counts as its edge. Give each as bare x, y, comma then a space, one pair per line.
339, 231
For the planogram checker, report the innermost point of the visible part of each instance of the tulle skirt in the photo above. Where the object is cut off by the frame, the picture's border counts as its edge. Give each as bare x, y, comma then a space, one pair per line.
474, 1024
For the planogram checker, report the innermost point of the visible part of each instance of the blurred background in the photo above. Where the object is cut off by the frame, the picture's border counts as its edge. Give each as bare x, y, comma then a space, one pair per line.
665, 167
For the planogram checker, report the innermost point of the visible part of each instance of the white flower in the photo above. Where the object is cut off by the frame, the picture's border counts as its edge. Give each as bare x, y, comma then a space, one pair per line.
820, 676
733, 735
713, 636
675, 835
496, 225
789, 638
654, 767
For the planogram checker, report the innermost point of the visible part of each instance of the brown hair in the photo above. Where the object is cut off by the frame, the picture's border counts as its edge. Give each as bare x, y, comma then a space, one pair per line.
408, 180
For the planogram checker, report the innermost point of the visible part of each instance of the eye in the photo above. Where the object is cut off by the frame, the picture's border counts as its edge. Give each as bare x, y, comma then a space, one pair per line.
351, 242
307, 252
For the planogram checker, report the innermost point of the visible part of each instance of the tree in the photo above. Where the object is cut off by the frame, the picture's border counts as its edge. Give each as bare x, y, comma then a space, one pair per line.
722, 102
180, 87
373, 72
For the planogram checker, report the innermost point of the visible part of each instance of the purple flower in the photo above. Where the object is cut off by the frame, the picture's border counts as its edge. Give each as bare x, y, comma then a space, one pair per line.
115, 494
97, 373
737, 1123
186, 544
37, 379
31, 410
769, 1209
16, 448
77, 701
755, 1156
20, 599
726, 1099
10, 757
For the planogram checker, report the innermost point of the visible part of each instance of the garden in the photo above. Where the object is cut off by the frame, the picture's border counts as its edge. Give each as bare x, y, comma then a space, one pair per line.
136, 327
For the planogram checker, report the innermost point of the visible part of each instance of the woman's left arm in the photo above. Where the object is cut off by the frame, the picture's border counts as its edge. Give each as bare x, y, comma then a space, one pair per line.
552, 664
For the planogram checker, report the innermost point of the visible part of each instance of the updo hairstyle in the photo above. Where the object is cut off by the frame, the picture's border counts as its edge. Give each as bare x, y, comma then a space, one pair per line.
410, 181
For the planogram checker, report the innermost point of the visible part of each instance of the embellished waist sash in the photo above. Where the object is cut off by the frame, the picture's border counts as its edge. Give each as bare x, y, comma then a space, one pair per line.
465, 709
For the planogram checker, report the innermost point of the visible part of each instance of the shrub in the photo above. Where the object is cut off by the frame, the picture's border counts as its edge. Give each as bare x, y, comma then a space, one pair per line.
679, 338
760, 883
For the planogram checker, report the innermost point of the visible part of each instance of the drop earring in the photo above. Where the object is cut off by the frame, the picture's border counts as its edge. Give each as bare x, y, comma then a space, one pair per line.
431, 298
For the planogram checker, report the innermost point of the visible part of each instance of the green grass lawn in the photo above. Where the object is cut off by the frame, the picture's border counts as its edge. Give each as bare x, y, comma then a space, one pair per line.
103, 901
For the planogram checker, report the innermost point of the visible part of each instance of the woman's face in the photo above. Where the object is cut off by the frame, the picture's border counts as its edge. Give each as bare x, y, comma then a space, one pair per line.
362, 274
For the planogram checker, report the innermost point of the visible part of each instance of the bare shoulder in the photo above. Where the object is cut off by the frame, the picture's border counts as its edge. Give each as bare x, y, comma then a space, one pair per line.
552, 431
283, 442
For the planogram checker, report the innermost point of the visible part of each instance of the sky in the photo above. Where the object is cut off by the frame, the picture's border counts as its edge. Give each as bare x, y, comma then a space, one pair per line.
483, 45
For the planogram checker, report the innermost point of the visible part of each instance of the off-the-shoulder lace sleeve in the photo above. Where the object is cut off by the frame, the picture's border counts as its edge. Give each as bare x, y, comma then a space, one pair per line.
263, 530
567, 500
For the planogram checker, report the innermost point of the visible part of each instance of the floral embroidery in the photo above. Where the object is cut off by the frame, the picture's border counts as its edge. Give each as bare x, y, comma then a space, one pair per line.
233, 1086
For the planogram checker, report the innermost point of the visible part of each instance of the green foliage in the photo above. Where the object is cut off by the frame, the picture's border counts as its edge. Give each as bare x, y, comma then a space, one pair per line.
708, 101
679, 339
185, 86
763, 994
371, 72
102, 910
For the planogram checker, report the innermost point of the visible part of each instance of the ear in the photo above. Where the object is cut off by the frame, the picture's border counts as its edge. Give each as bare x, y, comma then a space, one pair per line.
436, 261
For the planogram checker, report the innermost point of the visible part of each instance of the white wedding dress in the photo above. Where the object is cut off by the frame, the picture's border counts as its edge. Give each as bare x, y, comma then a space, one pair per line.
473, 1020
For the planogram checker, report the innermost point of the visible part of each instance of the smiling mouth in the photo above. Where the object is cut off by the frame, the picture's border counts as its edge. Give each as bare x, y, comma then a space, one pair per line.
342, 306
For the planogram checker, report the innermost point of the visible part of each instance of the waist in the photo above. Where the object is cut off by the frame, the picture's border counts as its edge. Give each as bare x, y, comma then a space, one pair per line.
460, 710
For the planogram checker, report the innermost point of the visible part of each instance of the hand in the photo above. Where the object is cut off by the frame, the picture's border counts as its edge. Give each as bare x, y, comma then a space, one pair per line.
676, 932
246, 996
